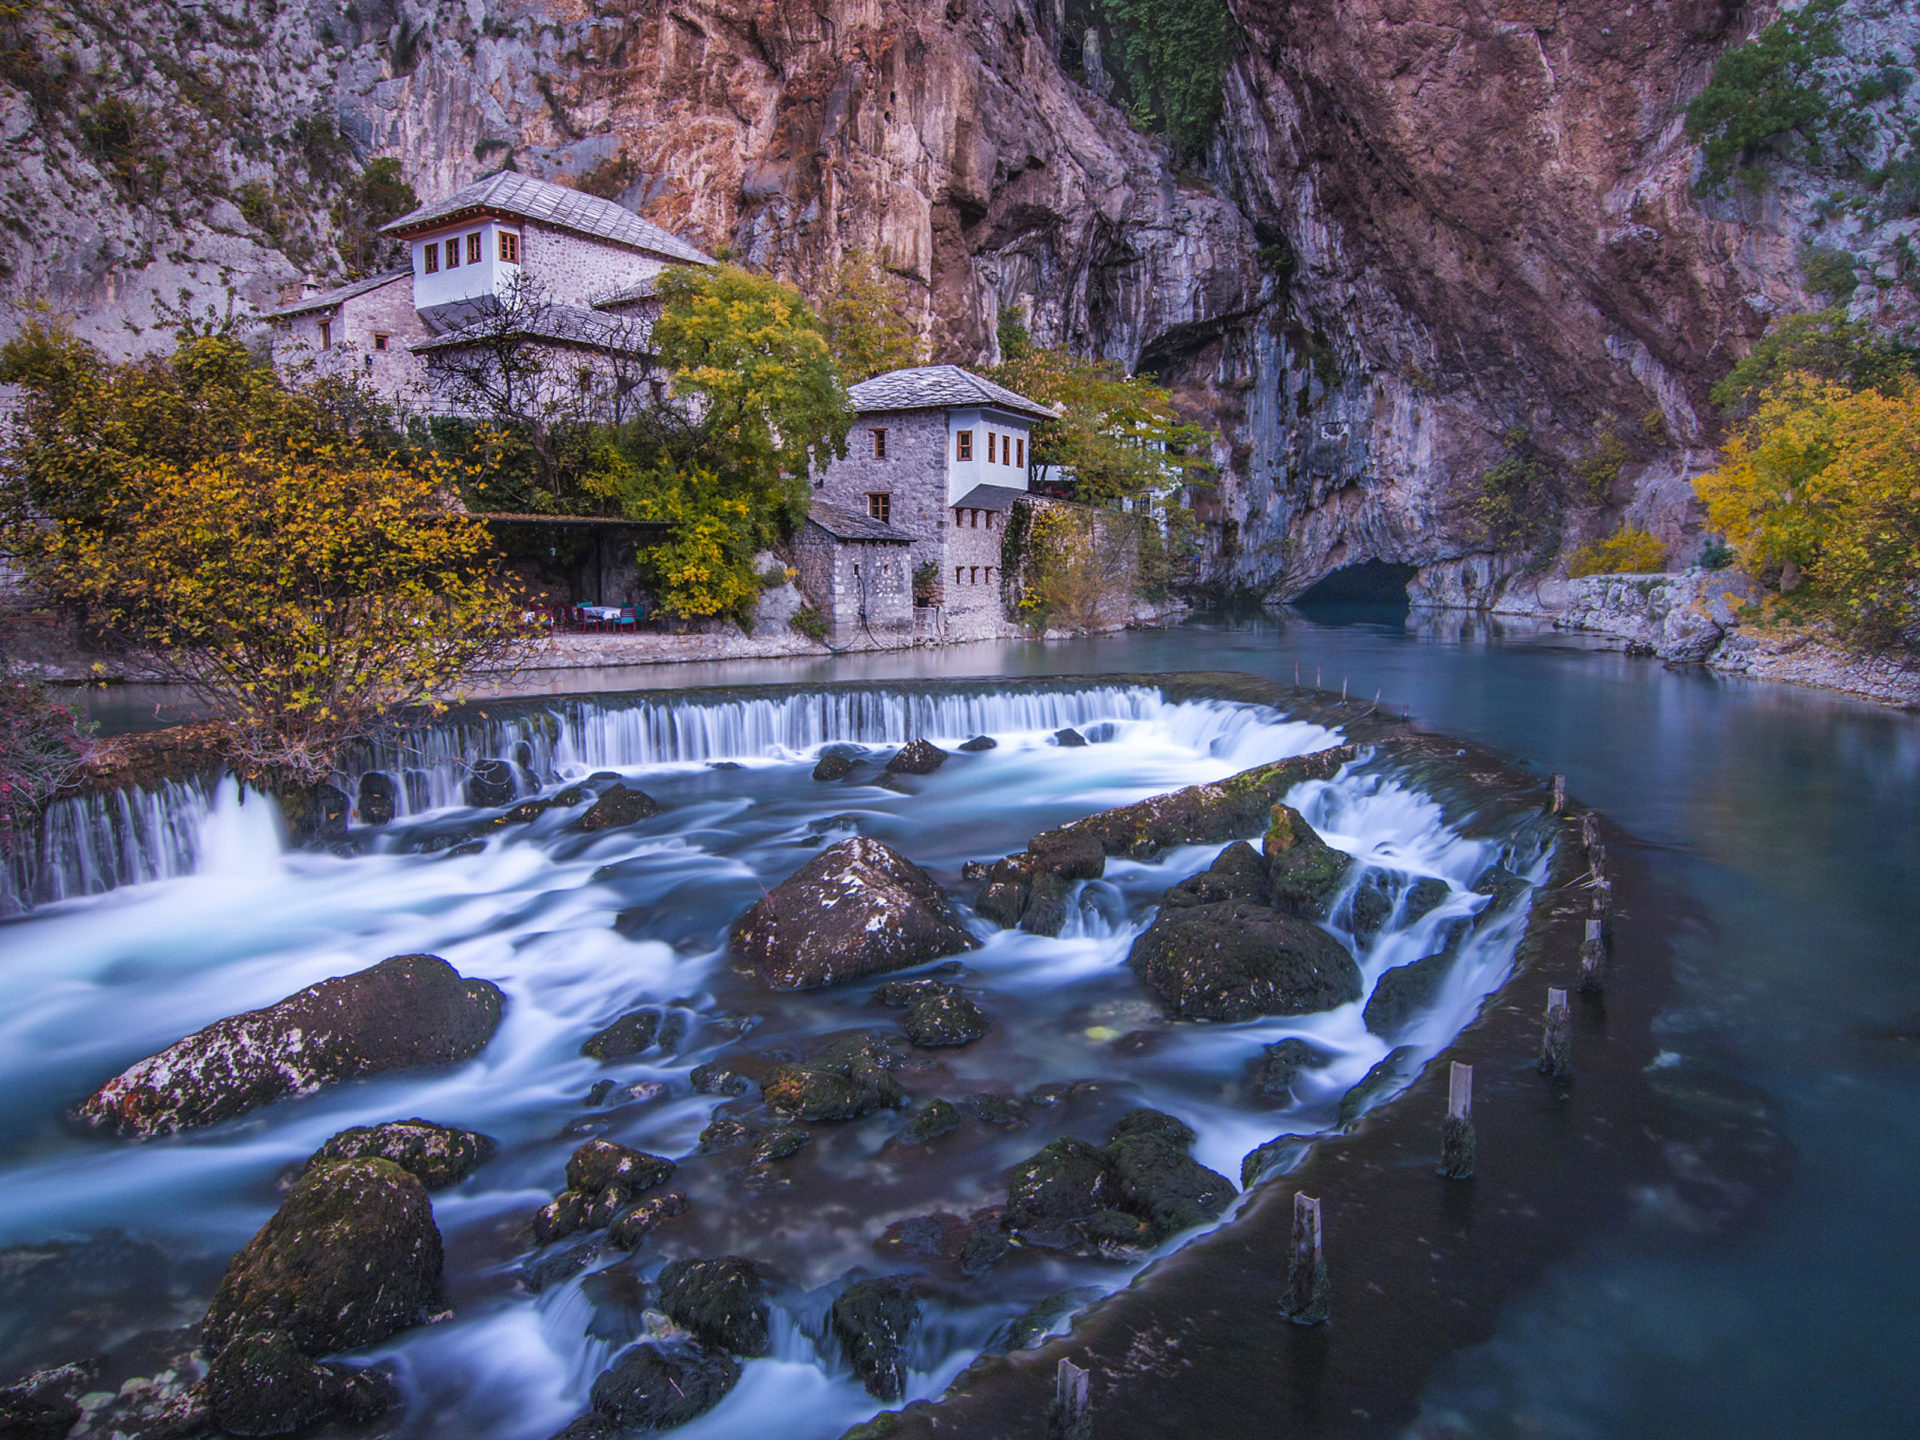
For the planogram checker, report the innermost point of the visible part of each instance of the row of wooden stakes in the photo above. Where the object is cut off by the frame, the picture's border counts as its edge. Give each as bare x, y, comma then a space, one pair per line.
1307, 1299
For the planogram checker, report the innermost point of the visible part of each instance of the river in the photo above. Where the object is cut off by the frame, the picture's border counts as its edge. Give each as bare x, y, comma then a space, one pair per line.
1788, 819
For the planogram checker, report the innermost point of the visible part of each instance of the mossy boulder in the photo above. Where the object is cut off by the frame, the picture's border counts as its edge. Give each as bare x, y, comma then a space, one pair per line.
634, 1032
917, 757
377, 799
351, 1257
1404, 991
618, 806
1159, 1181
1238, 872
857, 908
1234, 961
262, 1385
435, 1155
722, 1301
406, 1012
1427, 894
1304, 873
936, 1015
935, 1118
658, 1385
1048, 904
871, 1320
1051, 1194
638, 1221
603, 1179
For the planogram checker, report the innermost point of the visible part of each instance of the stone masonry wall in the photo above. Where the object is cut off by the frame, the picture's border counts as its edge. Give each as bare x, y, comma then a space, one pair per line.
837, 575
914, 473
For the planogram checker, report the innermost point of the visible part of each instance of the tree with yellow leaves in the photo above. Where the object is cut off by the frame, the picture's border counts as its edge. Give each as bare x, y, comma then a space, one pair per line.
236, 530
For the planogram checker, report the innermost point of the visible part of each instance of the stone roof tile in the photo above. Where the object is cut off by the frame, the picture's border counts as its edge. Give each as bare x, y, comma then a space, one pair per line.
327, 299
940, 387
513, 194
846, 524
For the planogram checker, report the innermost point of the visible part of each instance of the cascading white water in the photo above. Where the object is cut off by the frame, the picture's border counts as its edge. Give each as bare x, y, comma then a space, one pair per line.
577, 929
90, 843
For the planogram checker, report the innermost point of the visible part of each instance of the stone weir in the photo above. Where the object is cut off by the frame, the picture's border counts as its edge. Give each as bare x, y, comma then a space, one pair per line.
1416, 1265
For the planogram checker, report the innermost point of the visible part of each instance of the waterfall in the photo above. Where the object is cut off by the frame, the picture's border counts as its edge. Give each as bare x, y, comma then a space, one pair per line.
95, 842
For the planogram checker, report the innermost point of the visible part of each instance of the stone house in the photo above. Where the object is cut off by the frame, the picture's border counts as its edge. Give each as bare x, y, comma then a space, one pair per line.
941, 455
859, 572
577, 272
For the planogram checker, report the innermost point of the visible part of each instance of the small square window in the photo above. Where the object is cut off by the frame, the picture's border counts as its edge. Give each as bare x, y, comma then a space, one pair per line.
880, 506
379, 342
430, 257
509, 248
963, 445
879, 444
453, 253
473, 248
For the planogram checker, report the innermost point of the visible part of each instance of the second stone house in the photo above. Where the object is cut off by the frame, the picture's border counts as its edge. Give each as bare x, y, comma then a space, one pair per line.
940, 455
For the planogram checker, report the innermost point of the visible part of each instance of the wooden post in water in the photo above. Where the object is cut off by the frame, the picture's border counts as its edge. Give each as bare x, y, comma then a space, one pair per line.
1343, 689
1593, 960
1589, 829
1072, 1415
1457, 1148
1603, 908
1559, 793
1316, 677
1556, 1043
1308, 1293
1597, 861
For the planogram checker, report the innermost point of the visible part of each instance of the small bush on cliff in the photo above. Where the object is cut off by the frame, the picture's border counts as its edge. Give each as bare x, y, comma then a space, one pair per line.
1822, 486
1173, 55
1826, 345
1628, 551
1516, 504
377, 195
868, 329
241, 533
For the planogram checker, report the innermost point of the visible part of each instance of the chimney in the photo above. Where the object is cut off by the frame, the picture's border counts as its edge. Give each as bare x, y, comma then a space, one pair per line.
293, 292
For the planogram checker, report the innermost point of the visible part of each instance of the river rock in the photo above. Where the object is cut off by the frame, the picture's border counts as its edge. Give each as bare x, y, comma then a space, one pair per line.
936, 1015
1234, 961
1368, 908
1427, 895
351, 1257
713, 1078
1050, 1195
491, 784
833, 766
723, 1302
1504, 890
1158, 1180
639, 1221
1069, 738
42, 1406
409, 1011
435, 1155
1047, 907
657, 1385
1273, 1073
603, 1179
917, 757
979, 743
262, 1385
871, 1319
618, 806
1402, 992
1398, 1066
378, 798
1304, 873
314, 814
1238, 872
635, 1031
934, 1119
844, 1080
857, 908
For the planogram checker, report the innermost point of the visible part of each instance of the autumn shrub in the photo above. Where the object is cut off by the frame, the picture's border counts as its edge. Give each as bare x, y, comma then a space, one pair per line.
1628, 551
1820, 492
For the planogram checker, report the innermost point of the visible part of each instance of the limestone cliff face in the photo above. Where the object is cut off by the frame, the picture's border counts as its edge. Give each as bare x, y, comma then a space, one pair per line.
1422, 224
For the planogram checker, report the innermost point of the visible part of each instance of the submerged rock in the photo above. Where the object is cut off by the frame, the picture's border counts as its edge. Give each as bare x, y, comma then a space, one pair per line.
1273, 1073
843, 1080
935, 1119
1377, 1083
936, 1015
723, 1302
713, 1078
435, 1155
262, 1385
378, 798
1069, 738
409, 1011
917, 757
635, 1031
351, 1257
618, 806
1402, 992
491, 784
1234, 961
833, 766
857, 908
980, 742
871, 1319
657, 1385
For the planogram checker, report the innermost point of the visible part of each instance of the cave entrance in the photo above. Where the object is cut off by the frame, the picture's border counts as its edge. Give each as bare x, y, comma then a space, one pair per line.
1372, 586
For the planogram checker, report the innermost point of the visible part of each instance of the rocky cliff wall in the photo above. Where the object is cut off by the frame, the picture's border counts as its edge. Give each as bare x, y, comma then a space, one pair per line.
1423, 227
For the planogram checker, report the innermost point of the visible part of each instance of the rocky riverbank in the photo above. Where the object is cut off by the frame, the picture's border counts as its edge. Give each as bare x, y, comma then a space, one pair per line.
1695, 617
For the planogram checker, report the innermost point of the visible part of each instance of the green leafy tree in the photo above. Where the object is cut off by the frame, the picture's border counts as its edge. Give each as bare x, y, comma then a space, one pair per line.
378, 195
865, 313
1826, 345
1769, 88
1517, 504
1173, 55
756, 406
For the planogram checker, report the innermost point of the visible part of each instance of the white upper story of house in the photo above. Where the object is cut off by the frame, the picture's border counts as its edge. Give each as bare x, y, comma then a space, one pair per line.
595, 263
984, 429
